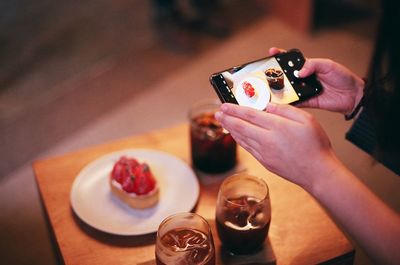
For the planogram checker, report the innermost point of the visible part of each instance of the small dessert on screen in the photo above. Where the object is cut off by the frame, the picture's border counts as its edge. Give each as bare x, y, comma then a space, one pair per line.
133, 183
249, 89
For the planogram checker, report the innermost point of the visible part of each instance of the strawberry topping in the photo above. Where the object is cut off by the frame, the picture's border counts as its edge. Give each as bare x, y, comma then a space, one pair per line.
133, 176
248, 89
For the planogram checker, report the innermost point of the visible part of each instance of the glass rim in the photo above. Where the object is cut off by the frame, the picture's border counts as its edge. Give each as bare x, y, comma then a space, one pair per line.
203, 103
237, 175
184, 214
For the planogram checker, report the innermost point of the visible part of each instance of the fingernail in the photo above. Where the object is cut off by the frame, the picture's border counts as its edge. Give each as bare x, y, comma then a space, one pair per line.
224, 107
302, 72
218, 115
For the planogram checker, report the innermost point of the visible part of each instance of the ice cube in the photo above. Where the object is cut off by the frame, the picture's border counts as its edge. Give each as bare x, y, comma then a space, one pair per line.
199, 255
241, 218
196, 239
257, 218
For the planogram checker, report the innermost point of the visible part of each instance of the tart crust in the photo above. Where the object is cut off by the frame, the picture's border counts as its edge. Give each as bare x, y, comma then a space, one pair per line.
135, 201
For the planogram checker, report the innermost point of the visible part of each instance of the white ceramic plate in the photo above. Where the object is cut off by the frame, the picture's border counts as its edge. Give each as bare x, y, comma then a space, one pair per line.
93, 202
260, 101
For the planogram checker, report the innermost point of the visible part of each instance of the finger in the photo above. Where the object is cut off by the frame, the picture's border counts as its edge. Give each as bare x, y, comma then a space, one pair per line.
274, 51
318, 66
249, 115
257, 117
289, 112
248, 145
242, 129
246, 140
245, 113
309, 103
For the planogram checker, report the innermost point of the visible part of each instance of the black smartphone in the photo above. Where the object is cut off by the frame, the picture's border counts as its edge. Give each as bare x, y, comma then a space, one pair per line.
271, 79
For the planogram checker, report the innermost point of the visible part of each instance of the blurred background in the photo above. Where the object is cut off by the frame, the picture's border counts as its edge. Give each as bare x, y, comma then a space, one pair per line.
78, 73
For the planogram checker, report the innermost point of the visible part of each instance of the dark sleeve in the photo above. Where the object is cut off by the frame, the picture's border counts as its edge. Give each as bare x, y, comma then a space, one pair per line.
363, 134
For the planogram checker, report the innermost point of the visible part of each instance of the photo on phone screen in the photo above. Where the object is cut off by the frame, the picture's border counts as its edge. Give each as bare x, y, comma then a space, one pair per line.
257, 83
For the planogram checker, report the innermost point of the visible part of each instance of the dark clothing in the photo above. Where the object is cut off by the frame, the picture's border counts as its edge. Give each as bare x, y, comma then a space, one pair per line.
363, 134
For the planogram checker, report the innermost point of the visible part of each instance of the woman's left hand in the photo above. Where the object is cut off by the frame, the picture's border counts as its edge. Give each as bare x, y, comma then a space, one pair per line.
286, 140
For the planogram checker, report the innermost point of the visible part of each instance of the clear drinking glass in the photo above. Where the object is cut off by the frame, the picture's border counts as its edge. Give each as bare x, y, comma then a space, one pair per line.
275, 78
243, 213
213, 149
185, 239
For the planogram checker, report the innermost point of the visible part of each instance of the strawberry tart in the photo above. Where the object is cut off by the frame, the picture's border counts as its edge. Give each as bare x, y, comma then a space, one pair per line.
133, 183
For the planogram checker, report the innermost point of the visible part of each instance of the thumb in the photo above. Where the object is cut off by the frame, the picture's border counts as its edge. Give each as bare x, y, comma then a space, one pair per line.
287, 111
317, 66
274, 51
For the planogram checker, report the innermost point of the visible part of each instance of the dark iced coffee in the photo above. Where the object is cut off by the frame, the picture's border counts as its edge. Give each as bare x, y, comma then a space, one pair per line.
243, 213
275, 78
242, 226
213, 149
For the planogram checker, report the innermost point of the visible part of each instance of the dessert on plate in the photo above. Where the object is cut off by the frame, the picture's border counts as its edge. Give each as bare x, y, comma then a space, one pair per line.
248, 89
252, 91
133, 183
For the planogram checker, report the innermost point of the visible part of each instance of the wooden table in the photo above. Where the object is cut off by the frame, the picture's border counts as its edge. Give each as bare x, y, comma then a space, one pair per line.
300, 233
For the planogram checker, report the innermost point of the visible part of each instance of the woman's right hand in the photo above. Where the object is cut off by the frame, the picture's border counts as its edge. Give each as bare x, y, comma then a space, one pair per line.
284, 139
342, 89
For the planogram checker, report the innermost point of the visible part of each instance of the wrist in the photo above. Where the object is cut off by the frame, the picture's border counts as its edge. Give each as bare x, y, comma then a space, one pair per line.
325, 171
360, 84
360, 88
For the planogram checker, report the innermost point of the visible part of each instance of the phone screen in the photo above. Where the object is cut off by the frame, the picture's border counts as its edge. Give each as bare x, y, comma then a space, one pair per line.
257, 83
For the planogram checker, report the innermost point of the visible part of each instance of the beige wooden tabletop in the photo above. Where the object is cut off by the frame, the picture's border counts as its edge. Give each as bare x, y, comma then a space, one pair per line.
300, 232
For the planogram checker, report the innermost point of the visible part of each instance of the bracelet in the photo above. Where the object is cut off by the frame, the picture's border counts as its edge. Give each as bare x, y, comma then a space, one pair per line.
359, 105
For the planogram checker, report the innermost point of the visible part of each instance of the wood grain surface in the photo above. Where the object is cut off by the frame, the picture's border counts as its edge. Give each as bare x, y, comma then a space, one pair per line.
300, 232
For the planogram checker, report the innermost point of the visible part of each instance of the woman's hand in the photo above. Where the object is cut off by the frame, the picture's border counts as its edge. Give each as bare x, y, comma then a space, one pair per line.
286, 140
342, 89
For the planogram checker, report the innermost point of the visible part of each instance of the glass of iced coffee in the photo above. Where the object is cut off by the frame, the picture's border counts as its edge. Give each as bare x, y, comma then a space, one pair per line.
243, 213
185, 239
275, 78
213, 149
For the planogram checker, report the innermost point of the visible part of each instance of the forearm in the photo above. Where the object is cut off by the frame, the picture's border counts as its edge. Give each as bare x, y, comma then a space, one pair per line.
374, 225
